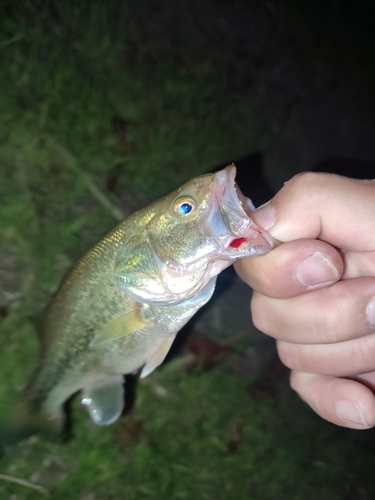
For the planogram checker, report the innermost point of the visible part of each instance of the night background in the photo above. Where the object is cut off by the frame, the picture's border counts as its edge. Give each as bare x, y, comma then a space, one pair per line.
107, 105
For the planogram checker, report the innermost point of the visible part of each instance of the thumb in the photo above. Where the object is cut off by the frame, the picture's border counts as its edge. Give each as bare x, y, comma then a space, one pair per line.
338, 210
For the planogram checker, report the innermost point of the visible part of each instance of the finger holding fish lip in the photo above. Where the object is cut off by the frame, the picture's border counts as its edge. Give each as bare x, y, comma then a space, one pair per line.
341, 312
336, 209
292, 268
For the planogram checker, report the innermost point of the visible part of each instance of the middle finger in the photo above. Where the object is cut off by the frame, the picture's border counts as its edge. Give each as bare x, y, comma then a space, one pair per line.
340, 312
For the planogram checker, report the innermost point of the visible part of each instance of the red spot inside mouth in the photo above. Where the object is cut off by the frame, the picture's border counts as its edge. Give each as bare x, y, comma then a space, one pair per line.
237, 242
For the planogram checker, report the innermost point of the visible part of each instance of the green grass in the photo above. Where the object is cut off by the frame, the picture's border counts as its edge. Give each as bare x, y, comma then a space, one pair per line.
185, 425
65, 77
69, 70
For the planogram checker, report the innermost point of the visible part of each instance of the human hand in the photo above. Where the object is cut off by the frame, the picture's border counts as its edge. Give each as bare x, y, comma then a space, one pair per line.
316, 292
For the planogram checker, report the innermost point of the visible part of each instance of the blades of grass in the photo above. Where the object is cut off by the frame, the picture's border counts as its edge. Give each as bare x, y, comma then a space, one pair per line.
23, 482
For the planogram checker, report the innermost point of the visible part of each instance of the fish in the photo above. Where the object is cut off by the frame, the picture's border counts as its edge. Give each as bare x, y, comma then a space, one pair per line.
123, 304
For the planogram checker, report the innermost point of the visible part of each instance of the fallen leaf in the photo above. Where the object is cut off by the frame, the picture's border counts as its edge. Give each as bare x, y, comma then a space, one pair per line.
209, 354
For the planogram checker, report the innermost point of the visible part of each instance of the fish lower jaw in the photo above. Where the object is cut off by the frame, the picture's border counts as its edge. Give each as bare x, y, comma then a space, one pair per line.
242, 247
253, 241
168, 298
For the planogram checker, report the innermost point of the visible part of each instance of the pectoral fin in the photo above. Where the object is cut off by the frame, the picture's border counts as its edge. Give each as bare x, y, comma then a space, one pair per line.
105, 400
119, 327
157, 357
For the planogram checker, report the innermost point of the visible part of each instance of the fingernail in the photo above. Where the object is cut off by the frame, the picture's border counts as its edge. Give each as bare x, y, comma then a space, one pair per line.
350, 412
266, 215
370, 312
316, 270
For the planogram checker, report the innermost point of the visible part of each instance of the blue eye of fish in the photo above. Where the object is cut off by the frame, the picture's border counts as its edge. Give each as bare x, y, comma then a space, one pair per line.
186, 208
184, 205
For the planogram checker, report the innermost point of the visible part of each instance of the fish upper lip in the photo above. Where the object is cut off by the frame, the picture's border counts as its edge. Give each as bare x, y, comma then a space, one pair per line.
232, 203
241, 225
229, 187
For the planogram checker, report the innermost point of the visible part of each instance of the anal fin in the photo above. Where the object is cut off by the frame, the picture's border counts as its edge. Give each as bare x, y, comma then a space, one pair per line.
157, 357
105, 399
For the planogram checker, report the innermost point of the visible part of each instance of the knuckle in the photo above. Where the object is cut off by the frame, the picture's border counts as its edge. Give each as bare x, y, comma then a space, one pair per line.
309, 182
324, 325
261, 315
257, 316
304, 179
295, 381
288, 354
363, 355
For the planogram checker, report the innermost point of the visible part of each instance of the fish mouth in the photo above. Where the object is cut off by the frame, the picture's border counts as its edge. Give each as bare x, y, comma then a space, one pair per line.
242, 235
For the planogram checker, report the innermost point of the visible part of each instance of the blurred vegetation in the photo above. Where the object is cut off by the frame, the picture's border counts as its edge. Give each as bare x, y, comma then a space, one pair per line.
97, 118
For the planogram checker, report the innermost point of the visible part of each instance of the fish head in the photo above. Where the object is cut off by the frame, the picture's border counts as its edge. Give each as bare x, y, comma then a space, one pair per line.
199, 230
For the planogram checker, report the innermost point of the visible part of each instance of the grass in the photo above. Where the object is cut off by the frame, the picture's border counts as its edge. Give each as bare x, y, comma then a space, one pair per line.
176, 445
94, 119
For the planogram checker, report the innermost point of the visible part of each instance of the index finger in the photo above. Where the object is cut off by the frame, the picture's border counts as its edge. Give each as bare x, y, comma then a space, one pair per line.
335, 209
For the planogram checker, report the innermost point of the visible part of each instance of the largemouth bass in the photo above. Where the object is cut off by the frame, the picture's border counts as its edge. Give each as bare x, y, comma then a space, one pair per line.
121, 307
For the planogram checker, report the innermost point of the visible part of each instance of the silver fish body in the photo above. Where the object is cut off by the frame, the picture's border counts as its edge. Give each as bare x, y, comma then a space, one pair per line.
122, 306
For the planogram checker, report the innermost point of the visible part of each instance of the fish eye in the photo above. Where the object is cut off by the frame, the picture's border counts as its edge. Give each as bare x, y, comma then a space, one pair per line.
184, 205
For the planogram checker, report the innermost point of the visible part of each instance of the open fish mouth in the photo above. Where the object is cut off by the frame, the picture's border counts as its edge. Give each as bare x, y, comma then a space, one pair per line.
231, 193
242, 234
